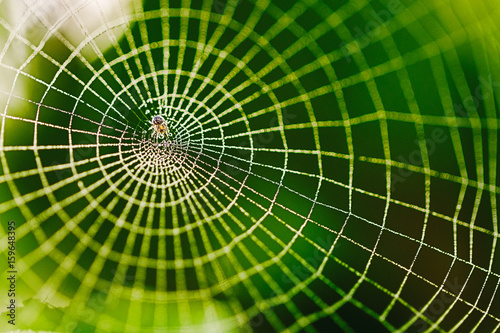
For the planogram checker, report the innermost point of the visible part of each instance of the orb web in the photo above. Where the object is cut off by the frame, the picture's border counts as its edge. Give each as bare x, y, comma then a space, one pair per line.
329, 166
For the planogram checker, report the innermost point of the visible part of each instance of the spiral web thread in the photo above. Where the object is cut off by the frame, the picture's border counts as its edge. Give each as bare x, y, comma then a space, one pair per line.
280, 200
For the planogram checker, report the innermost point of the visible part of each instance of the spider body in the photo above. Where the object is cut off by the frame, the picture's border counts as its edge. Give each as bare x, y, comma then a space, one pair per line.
159, 127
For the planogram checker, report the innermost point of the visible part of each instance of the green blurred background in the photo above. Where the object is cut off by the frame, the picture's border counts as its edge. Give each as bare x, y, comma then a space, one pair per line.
331, 166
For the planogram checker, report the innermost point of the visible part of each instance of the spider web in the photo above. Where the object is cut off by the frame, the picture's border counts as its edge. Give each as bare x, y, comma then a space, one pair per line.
332, 166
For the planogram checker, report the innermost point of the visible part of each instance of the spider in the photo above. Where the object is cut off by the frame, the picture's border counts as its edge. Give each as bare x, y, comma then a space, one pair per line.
159, 127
